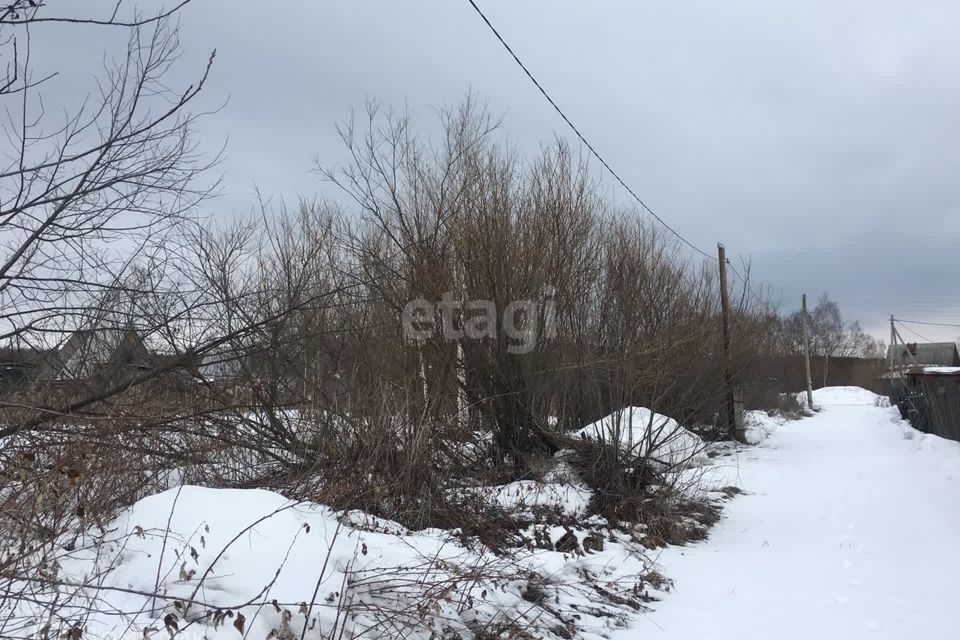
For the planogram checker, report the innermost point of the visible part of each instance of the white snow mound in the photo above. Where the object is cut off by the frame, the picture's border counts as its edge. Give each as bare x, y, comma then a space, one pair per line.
645, 433
760, 425
279, 567
842, 396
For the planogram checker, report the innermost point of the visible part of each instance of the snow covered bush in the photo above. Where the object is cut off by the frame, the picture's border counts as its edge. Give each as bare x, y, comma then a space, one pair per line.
646, 435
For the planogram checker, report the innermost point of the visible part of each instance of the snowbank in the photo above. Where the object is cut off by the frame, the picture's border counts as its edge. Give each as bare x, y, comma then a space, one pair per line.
842, 396
232, 563
760, 425
941, 456
643, 433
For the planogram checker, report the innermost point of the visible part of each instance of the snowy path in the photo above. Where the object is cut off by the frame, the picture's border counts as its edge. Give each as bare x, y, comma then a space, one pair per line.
851, 530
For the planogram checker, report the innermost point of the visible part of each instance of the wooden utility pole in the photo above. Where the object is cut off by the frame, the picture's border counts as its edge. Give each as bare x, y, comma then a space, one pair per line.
893, 342
806, 355
731, 415
897, 339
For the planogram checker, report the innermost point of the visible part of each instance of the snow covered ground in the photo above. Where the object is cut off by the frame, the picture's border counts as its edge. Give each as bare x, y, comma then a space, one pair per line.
850, 529
195, 562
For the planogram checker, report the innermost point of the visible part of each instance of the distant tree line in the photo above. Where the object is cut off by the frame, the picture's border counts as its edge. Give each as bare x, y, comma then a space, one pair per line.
829, 334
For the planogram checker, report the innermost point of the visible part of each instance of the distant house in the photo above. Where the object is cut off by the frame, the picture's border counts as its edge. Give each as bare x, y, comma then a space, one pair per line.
911, 354
17, 364
96, 355
225, 363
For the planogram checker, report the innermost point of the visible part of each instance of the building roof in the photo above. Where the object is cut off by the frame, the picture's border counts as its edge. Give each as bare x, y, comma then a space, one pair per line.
88, 350
942, 354
223, 362
950, 372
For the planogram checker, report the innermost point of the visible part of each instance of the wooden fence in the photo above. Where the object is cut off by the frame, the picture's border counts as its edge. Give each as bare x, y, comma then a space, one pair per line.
930, 402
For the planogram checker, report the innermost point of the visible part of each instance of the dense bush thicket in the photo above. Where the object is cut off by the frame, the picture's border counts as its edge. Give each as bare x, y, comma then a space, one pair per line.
288, 341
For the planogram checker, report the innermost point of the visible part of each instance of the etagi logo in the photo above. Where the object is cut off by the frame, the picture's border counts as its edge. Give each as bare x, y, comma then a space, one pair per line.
524, 322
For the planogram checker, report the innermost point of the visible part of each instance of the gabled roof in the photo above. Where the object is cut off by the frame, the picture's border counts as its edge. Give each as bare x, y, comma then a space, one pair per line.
943, 354
89, 350
223, 362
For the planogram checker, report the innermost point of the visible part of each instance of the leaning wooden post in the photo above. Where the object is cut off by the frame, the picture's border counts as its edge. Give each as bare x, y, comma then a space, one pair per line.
729, 406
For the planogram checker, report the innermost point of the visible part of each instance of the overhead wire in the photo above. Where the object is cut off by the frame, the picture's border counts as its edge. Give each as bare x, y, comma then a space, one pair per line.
583, 138
606, 165
932, 324
922, 337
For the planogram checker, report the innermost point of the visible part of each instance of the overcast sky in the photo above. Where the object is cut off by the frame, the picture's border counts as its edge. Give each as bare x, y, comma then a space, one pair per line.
818, 139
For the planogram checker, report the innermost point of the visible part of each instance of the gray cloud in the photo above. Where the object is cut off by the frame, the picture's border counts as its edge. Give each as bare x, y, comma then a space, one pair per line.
818, 138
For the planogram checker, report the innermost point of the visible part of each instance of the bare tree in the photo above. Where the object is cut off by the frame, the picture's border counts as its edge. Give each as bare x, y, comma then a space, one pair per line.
289, 324
93, 201
830, 335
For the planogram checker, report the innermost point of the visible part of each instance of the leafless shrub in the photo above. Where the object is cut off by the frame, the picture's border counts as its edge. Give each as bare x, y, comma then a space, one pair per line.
790, 407
270, 352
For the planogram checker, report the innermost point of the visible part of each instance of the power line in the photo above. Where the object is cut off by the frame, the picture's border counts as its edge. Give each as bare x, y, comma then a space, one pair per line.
757, 297
583, 139
922, 337
932, 324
